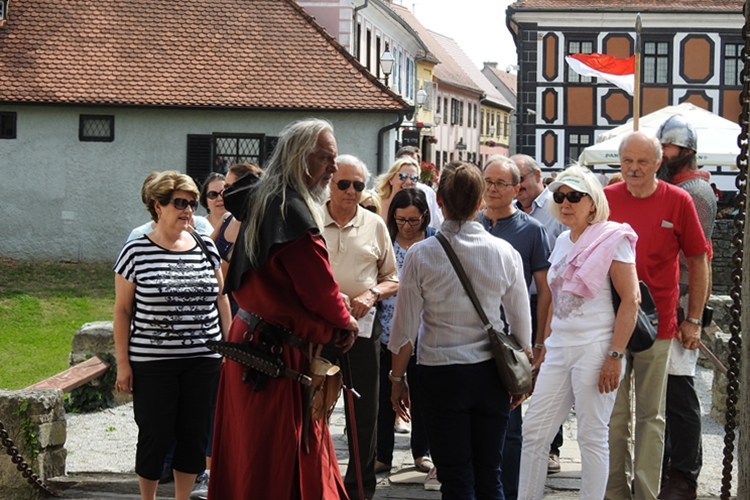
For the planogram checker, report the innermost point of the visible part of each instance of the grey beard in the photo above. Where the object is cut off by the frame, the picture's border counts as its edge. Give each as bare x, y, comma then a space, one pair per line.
320, 194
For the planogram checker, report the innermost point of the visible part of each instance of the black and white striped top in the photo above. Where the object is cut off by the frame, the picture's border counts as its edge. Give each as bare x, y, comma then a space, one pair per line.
174, 310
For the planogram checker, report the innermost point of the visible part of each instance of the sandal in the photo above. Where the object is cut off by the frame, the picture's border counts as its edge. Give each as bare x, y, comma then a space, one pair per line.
423, 464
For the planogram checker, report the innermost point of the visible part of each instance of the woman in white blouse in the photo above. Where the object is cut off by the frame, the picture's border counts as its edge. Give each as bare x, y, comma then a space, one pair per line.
465, 404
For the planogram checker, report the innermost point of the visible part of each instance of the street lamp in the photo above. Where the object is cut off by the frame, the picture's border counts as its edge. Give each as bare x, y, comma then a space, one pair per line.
421, 97
386, 64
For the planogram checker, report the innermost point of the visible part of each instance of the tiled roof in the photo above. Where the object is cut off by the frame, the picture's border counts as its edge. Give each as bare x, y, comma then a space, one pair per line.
632, 5
448, 71
510, 80
207, 53
459, 56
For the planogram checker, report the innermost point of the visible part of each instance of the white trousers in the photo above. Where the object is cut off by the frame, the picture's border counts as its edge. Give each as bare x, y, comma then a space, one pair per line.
568, 376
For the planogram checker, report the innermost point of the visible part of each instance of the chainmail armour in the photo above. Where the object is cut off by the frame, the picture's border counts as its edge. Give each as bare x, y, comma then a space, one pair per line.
704, 200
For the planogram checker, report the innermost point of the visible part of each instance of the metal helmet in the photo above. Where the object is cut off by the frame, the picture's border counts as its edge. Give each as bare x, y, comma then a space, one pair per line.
679, 132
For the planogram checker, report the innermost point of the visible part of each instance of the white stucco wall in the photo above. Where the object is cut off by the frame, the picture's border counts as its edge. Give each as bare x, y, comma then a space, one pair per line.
62, 199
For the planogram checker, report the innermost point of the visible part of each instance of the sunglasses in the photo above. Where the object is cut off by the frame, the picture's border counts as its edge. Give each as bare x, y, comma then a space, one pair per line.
498, 184
212, 195
573, 196
182, 203
343, 185
403, 176
412, 222
371, 208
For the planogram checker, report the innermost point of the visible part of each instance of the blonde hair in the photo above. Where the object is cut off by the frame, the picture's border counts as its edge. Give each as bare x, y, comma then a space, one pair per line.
287, 169
159, 187
372, 195
594, 189
383, 182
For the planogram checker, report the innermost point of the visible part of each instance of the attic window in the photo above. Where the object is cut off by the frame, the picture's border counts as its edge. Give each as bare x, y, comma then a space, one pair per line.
7, 122
97, 128
2, 10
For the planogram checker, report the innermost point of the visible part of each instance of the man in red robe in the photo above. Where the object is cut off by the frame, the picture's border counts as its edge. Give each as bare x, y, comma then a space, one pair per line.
280, 276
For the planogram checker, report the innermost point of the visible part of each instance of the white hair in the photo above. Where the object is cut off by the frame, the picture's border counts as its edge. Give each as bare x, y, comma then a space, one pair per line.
287, 169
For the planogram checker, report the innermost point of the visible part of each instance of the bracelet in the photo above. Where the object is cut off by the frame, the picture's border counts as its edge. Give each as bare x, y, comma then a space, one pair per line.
394, 378
539, 346
695, 321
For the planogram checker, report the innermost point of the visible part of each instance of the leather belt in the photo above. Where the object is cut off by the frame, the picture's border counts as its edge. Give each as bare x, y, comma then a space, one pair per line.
256, 323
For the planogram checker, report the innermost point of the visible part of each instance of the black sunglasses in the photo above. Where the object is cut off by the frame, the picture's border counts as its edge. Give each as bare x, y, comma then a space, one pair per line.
182, 203
371, 208
343, 185
212, 195
573, 196
403, 176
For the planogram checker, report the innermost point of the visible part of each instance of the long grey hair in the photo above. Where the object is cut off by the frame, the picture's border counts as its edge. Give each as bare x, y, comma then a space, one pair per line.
287, 169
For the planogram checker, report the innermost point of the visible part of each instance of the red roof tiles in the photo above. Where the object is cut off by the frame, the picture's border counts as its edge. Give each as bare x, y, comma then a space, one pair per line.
208, 53
633, 5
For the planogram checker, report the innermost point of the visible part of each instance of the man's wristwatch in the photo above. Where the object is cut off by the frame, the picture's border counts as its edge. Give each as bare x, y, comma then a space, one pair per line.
616, 355
694, 321
376, 292
394, 378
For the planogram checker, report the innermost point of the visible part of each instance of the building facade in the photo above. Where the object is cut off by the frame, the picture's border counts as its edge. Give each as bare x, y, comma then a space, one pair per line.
691, 52
115, 91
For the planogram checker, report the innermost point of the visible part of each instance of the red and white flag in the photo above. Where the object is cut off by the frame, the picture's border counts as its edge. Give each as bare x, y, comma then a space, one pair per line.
619, 72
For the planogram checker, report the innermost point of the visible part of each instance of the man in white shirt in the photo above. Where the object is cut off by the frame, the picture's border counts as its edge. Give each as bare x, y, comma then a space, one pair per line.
364, 265
533, 198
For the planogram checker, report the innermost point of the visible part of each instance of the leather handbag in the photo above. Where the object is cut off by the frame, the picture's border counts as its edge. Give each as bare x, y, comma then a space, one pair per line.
647, 322
510, 359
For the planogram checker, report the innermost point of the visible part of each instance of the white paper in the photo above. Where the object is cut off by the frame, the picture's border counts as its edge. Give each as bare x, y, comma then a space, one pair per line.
365, 323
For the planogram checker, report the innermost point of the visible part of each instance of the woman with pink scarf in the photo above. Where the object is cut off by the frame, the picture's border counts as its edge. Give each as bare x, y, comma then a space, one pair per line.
582, 356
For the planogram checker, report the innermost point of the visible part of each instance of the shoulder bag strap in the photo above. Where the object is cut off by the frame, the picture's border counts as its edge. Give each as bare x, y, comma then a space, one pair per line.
198, 239
463, 278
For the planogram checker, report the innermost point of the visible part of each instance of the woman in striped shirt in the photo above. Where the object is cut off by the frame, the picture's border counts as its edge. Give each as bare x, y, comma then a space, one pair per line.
168, 304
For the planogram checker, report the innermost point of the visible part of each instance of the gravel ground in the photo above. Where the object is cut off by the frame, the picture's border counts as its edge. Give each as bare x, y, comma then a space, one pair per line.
105, 441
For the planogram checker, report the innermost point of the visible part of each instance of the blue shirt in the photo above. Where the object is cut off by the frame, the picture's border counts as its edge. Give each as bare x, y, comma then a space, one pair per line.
527, 235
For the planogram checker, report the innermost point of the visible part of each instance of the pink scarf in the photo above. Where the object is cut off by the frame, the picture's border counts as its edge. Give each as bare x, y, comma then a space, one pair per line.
591, 257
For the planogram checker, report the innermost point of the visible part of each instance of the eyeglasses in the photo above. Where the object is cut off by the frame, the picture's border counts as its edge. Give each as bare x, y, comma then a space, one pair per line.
412, 222
182, 203
403, 176
573, 196
498, 184
371, 208
212, 195
523, 176
343, 185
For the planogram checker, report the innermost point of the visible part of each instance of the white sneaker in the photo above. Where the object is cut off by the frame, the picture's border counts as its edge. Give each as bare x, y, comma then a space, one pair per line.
200, 492
431, 482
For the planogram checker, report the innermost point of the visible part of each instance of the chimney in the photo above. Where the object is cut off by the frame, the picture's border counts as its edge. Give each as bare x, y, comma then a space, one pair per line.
490, 65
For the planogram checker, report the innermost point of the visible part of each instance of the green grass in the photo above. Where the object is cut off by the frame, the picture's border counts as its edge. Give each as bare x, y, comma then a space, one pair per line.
42, 305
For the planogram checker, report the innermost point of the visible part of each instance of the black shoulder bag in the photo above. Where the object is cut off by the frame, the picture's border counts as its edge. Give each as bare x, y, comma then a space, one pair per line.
647, 322
512, 363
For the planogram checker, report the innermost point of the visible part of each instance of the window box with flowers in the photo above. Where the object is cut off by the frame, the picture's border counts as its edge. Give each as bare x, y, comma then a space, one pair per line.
428, 173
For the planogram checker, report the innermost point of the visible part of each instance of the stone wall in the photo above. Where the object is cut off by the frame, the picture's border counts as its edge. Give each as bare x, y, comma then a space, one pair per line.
722, 264
45, 409
92, 339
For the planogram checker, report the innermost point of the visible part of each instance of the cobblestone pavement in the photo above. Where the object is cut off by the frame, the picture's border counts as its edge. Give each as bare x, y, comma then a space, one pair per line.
101, 451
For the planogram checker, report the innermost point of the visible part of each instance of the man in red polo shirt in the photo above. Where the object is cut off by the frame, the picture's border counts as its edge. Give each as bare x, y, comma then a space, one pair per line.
666, 222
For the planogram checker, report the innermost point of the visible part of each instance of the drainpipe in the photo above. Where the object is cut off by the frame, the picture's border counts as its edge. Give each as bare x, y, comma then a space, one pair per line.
381, 167
354, 24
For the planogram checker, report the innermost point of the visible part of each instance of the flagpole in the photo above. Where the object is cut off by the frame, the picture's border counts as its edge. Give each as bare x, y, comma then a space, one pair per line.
637, 88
